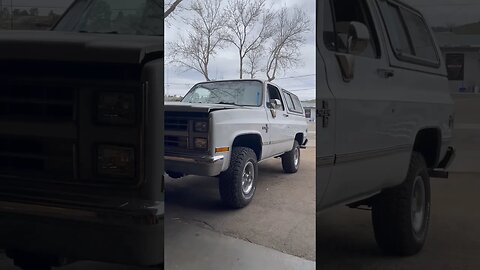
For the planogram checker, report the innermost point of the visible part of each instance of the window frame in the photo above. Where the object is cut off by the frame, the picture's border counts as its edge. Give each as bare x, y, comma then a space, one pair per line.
407, 57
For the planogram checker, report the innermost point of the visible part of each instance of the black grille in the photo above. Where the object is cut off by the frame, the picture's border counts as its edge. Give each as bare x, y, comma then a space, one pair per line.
36, 157
176, 141
176, 124
37, 102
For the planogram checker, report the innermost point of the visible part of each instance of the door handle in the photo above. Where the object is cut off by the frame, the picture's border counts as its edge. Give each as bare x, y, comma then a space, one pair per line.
386, 73
286, 115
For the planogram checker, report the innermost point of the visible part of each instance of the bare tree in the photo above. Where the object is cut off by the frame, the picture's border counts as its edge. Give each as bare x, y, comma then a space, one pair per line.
249, 25
206, 36
170, 7
284, 50
254, 62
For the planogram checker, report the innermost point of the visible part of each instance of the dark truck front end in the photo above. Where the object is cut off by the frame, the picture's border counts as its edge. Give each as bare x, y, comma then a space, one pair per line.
81, 170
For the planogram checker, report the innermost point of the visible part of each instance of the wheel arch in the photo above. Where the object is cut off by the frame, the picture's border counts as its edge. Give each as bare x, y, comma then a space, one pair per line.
428, 142
250, 140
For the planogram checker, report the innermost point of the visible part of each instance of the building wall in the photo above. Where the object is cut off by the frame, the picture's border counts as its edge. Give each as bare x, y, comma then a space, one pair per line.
471, 70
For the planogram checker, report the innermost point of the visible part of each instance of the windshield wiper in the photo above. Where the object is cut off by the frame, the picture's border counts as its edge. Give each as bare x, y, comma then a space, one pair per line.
229, 103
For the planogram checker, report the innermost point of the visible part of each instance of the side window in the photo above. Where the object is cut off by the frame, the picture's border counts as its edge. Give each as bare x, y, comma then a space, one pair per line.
395, 24
422, 41
297, 104
293, 103
344, 11
274, 93
409, 35
289, 101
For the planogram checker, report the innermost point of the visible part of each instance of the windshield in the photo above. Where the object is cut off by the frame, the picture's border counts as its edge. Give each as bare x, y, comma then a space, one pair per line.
241, 93
130, 17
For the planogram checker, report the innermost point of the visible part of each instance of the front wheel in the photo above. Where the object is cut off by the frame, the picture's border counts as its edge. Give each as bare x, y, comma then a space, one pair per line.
237, 185
401, 215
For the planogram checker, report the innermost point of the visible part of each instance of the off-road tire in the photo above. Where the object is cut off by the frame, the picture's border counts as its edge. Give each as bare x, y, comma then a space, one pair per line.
288, 159
392, 213
230, 182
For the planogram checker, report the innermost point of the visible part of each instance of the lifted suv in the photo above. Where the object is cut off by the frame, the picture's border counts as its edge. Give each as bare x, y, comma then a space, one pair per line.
225, 128
385, 116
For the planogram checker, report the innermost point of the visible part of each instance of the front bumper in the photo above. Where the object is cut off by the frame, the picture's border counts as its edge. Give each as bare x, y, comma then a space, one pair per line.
196, 165
79, 234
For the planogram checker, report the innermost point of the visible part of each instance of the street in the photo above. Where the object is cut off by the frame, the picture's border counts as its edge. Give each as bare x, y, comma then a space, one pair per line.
345, 238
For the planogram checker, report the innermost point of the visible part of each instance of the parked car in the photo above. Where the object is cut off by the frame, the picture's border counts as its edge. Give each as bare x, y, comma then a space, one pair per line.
81, 167
385, 116
225, 128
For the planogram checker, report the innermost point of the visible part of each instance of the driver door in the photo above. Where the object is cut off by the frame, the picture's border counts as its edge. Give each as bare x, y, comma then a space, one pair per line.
278, 130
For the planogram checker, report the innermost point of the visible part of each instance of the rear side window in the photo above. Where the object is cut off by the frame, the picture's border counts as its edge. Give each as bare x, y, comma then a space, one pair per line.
293, 103
409, 35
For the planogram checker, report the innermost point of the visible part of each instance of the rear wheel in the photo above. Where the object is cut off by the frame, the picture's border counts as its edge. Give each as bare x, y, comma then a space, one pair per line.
291, 159
237, 185
401, 215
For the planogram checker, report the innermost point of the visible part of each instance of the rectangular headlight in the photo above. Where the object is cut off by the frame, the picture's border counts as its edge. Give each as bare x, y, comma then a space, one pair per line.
116, 161
200, 143
200, 126
116, 108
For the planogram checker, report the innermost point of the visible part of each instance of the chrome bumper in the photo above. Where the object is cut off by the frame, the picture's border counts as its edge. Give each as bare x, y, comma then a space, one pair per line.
196, 165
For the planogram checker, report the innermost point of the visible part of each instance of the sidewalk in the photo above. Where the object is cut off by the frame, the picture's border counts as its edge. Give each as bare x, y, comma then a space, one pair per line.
191, 247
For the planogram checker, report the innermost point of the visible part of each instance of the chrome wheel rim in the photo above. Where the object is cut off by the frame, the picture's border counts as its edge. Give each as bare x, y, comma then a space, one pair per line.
418, 204
296, 157
247, 177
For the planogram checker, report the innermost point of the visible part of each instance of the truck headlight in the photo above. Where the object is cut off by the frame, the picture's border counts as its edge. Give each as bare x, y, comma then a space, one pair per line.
116, 161
200, 126
201, 143
116, 108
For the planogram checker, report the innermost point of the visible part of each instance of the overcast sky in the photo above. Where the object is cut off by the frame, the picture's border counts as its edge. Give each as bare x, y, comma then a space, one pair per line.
225, 64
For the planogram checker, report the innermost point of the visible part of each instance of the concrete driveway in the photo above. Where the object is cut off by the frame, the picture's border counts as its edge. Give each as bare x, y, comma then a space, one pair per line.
281, 215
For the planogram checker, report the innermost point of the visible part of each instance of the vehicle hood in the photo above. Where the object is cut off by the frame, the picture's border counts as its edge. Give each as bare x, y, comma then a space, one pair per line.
198, 107
84, 47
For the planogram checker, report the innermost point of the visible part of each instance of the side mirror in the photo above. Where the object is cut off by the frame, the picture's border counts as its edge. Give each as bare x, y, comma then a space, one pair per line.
274, 104
353, 36
353, 39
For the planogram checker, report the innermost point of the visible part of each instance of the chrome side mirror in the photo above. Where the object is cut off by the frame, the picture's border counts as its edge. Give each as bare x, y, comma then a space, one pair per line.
274, 104
353, 36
